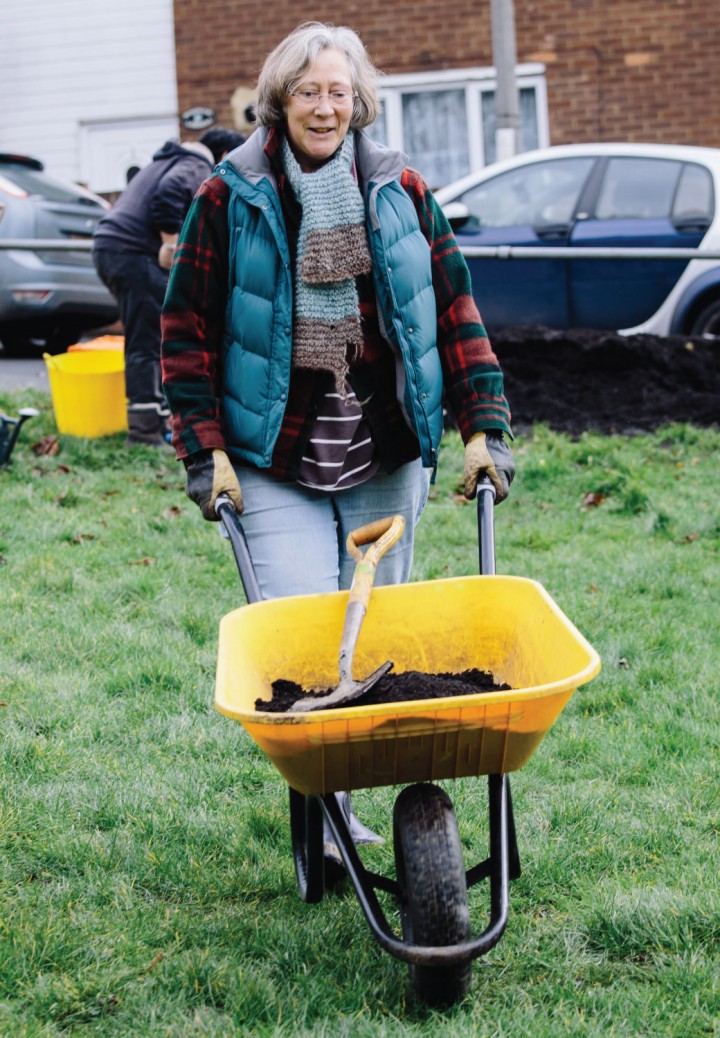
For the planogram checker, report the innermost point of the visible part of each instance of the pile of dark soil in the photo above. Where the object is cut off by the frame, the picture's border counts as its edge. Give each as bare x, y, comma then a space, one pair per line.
608, 383
392, 688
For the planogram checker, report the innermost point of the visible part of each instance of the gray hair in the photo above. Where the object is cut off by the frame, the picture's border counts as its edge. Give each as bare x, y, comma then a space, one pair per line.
285, 66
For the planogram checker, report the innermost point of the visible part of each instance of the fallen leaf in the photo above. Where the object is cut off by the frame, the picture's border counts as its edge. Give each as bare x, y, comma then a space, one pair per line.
109, 493
146, 561
47, 445
108, 1003
690, 538
593, 499
594, 588
622, 662
80, 537
172, 513
156, 962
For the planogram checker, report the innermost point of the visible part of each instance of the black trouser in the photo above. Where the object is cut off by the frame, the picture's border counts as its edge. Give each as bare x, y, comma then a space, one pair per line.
138, 284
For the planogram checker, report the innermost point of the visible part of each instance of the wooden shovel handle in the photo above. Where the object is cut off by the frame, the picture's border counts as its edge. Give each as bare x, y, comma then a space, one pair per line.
381, 535
384, 532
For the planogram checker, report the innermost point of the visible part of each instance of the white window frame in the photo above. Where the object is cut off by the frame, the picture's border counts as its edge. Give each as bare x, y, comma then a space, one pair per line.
475, 82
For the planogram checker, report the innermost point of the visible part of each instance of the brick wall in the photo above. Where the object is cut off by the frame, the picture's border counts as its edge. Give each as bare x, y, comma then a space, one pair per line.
616, 69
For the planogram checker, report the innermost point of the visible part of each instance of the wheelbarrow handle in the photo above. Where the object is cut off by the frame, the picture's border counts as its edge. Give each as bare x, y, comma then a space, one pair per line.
486, 526
226, 511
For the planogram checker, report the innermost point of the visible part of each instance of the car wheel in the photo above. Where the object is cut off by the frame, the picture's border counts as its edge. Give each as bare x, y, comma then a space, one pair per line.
706, 324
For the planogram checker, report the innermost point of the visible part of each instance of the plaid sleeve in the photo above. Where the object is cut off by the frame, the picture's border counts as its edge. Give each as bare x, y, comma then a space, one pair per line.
471, 372
193, 323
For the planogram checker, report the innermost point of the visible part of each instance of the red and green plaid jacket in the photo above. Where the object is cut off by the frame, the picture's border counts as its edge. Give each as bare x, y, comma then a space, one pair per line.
193, 318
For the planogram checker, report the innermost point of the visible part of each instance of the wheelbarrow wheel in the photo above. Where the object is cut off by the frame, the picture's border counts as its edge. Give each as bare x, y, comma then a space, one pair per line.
306, 829
431, 876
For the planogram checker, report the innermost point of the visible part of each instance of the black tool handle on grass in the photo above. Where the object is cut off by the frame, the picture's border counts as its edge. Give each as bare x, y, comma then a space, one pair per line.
486, 526
227, 513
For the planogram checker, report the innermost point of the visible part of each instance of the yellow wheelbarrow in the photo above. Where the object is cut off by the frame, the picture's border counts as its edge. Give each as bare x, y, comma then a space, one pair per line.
509, 626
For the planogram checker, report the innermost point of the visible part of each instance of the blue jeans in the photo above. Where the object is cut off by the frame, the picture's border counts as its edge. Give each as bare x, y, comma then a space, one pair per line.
296, 536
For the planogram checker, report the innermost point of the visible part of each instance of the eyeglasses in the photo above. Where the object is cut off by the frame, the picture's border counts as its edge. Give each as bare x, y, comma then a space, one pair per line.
311, 98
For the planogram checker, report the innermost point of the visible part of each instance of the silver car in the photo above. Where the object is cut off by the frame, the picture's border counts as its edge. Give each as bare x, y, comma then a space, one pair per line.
47, 298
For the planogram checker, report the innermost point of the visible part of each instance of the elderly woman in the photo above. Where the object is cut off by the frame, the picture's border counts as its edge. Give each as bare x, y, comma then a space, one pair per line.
317, 308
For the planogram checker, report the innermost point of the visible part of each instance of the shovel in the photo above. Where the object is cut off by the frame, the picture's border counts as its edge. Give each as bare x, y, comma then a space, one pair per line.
381, 535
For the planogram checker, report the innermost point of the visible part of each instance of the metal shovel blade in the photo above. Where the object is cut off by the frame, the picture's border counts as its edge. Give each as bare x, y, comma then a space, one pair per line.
345, 692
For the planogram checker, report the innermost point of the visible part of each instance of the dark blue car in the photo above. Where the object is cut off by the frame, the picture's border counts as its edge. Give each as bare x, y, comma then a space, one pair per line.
595, 195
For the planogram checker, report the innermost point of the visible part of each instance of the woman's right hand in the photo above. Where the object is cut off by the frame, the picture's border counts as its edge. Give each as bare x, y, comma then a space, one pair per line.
210, 473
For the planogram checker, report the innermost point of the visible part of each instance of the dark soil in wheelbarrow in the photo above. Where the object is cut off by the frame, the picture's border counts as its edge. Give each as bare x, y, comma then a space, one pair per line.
392, 688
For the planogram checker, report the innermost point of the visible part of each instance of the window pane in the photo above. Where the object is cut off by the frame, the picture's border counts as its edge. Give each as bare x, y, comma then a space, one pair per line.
695, 194
528, 122
45, 186
536, 195
637, 189
378, 130
435, 134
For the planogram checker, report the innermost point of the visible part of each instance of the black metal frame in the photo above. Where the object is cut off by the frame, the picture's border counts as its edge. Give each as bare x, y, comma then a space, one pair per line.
8, 438
501, 866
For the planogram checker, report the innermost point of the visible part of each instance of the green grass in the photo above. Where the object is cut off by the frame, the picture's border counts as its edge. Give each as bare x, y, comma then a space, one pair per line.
146, 882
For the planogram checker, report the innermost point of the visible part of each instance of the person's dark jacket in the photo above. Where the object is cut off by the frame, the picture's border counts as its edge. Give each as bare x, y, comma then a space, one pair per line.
156, 199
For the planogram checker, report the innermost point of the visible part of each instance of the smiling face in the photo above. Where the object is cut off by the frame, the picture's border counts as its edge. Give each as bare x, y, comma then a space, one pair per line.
317, 131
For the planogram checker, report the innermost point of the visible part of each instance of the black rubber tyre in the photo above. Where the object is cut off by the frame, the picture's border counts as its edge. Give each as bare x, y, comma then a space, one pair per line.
707, 322
431, 876
306, 829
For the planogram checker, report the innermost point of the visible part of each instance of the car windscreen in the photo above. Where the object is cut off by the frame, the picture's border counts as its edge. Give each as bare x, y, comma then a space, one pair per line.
41, 185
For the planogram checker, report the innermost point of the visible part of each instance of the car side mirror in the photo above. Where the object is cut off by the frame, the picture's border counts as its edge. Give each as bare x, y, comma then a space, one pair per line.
457, 214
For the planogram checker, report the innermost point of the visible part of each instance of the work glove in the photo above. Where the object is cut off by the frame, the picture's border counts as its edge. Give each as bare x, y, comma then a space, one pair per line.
488, 455
210, 473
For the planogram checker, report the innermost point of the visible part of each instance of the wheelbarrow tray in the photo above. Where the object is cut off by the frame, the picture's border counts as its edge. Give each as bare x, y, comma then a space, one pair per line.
509, 626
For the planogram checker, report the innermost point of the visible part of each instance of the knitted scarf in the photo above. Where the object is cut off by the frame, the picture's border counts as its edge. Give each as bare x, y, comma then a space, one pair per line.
332, 251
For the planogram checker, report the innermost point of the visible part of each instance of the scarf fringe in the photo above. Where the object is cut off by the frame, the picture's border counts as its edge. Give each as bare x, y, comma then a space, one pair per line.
343, 341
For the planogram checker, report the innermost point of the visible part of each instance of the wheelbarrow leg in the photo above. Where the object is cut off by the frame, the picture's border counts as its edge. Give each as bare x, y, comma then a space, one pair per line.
359, 832
306, 829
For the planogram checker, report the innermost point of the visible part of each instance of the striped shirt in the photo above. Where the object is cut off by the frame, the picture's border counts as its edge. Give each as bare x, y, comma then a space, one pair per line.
339, 452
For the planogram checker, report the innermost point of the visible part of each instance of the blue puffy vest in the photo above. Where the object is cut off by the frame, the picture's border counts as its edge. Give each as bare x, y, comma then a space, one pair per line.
258, 320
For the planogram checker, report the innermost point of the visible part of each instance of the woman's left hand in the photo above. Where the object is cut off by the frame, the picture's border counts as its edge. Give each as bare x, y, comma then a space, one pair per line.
487, 454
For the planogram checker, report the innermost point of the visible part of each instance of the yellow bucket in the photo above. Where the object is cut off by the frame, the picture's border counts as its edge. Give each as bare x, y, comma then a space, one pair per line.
509, 626
88, 392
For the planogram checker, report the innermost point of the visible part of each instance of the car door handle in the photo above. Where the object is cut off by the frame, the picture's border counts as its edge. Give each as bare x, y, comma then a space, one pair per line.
691, 223
553, 231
